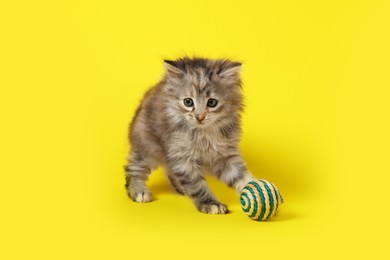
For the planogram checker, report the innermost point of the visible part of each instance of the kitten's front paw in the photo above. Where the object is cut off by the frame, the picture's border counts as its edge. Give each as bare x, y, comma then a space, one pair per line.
140, 196
213, 208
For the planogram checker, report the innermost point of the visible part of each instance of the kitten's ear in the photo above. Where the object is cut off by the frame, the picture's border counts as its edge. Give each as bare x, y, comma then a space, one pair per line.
171, 68
233, 71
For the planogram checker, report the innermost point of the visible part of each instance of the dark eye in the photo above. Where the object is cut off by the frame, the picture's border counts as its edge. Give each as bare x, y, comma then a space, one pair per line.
212, 102
188, 102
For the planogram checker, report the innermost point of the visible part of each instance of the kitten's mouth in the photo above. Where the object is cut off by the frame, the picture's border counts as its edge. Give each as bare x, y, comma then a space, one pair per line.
201, 123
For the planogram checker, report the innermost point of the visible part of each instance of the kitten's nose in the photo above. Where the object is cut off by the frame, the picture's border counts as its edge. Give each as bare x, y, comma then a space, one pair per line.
200, 117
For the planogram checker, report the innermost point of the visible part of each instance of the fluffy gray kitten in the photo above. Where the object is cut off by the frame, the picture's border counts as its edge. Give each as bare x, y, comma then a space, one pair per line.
189, 123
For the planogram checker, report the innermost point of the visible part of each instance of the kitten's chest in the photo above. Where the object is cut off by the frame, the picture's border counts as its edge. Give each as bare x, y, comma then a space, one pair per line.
204, 147
208, 147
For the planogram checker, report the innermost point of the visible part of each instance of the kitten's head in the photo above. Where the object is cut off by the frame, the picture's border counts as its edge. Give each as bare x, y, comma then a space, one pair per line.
203, 92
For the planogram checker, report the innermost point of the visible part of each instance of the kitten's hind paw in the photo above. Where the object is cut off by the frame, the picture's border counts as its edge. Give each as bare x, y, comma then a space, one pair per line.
140, 196
213, 208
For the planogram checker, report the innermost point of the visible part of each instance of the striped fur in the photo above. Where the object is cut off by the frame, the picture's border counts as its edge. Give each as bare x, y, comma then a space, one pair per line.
166, 132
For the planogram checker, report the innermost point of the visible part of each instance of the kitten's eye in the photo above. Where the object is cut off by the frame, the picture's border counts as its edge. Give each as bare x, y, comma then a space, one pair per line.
188, 102
212, 102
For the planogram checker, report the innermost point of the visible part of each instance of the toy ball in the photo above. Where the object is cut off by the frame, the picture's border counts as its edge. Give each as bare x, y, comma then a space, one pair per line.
260, 200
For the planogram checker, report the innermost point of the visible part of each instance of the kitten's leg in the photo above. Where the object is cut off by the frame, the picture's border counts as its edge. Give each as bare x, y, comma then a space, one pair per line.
175, 183
231, 170
137, 171
189, 179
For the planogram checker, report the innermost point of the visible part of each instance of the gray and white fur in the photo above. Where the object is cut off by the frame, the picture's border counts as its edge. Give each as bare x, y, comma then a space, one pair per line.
190, 124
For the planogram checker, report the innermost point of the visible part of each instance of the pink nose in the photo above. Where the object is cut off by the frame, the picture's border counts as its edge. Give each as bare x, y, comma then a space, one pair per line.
200, 117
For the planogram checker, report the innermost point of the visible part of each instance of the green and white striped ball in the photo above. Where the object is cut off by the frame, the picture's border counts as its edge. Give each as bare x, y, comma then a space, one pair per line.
260, 200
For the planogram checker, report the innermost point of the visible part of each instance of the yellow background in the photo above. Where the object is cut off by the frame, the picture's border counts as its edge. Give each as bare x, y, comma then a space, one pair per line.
316, 84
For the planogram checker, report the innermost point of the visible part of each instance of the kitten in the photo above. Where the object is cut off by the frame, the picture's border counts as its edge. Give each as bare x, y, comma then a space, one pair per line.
190, 123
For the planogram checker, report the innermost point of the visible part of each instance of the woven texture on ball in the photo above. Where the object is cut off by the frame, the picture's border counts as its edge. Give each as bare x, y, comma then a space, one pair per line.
260, 200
